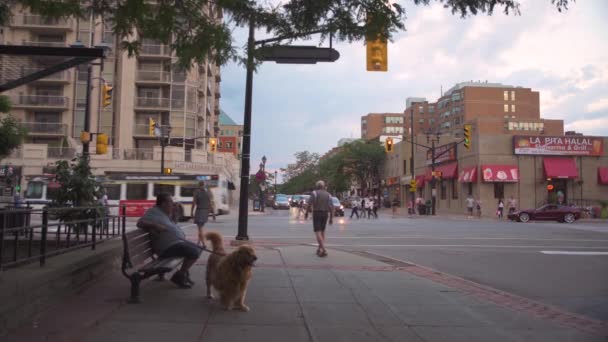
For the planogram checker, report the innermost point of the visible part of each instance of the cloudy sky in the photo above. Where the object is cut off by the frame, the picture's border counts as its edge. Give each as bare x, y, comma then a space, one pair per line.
564, 56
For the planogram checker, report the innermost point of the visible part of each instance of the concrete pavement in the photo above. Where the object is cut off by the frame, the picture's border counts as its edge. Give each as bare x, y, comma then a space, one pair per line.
296, 296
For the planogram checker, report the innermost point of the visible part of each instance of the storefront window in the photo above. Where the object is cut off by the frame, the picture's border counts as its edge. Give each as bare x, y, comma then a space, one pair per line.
499, 190
444, 190
454, 189
469, 188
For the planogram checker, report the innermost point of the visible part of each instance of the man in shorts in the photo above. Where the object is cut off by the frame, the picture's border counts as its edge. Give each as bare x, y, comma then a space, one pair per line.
470, 201
168, 240
321, 206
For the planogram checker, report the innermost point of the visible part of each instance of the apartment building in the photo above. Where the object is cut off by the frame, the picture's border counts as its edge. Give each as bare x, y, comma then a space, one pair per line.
374, 125
231, 135
145, 87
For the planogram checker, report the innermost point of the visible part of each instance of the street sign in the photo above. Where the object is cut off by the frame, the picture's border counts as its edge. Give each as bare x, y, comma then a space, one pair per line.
285, 54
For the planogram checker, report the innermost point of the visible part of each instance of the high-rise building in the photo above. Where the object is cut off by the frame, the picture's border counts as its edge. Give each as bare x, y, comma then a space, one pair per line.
374, 125
145, 87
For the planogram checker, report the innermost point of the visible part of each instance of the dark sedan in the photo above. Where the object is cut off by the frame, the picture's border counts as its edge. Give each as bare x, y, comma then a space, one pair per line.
556, 212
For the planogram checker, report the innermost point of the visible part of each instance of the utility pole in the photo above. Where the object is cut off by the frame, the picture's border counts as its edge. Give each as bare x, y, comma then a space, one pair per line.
413, 194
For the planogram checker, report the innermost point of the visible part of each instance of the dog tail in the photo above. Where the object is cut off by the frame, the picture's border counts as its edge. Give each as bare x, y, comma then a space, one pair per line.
217, 241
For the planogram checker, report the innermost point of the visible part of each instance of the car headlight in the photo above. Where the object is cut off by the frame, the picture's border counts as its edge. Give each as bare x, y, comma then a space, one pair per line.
341, 207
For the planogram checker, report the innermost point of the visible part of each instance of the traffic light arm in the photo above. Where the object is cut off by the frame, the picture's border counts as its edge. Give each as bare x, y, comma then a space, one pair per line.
428, 147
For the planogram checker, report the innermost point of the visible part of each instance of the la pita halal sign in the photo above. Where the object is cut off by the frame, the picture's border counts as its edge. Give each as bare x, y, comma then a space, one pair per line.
558, 145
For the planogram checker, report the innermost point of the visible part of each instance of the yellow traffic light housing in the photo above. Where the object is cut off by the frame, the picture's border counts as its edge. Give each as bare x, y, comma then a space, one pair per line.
151, 126
168, 171
377, 55
107, 94
213, 145
85, 137
102, 143
388, 145
413, 185
467, 136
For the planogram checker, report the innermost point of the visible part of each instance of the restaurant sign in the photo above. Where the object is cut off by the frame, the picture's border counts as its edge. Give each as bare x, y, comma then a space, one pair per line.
443, 153
558, 145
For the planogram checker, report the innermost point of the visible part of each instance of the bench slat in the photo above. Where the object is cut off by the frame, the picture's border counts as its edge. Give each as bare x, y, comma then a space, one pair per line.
161, 265
141, 258
134, 250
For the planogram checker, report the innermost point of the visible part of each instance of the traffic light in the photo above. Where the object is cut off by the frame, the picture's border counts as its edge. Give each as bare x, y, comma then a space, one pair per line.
377, 55
212, 145
168, 171
413, 185
467, 136
85, 137
388, 145
151, 126
550, 186
18, 188
107, 94
102, 143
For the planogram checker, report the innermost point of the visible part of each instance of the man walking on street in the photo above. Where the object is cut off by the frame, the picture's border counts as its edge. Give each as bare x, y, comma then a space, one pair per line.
470, 203
355, 209
201, 204
168, 240
322, 208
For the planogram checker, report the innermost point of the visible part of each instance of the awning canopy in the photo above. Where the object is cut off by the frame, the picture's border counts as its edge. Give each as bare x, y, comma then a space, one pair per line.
602, 175
560, 168
420, 181
500, 173
448, 171
468, 175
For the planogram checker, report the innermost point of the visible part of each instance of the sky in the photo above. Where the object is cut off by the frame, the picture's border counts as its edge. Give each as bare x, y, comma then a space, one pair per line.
564, 56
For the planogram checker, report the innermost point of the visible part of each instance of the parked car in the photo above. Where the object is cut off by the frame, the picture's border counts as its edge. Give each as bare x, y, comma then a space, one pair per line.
560, 213
281, 202
294, 199
338, 207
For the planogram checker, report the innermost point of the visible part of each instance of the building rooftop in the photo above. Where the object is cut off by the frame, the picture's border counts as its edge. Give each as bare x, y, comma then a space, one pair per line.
483, 84
226, 120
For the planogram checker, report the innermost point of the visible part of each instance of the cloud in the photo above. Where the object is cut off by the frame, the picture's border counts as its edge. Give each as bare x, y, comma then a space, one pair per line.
590, 127
601, 104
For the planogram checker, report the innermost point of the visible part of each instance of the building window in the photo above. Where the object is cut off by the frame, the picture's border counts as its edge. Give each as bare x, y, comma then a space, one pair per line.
512, 95
393, 120
421, 121
444, 190
455, 185
499, 190
470, 188
506, 108
506, 95
431, 109
512, 108
404, 166
363, 121
421, 109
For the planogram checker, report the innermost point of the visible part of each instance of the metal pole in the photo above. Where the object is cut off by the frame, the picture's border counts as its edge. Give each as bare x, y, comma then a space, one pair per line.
87, 111
433, 179
162, 155
413, 194
244, 200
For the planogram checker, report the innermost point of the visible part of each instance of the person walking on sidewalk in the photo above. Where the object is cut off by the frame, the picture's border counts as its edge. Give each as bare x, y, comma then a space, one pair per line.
168, 240
395, 206
375, 206
363, 207
478, 208
501, 208
470, 201
369, 205
322, 208
512, 205
201, 205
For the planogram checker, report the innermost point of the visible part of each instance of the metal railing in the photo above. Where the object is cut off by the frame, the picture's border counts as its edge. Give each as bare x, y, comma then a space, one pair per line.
141, 129
28, 235
58, 76
40, 100
55, 128
61, 152
48, 44
155, 50
138, 154
153, 76
152, 102
38, 20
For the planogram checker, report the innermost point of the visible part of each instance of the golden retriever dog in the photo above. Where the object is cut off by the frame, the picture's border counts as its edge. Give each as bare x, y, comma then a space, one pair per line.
229, 274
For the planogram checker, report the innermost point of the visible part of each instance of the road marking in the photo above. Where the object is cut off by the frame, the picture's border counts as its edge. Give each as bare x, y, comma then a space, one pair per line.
573, 253
423, 238
474, 246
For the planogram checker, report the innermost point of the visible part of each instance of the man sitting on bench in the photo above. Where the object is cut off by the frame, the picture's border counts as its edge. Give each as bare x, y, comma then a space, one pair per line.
168, 240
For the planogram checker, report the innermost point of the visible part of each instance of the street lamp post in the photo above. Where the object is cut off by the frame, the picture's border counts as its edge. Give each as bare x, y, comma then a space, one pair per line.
433, 178
263, 184
275, 183
412, 154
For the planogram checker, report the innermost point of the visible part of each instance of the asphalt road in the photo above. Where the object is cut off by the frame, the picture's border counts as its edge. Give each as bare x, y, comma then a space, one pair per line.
565, 265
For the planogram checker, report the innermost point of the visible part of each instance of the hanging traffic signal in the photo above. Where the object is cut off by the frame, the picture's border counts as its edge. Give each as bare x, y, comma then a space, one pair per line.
151, 126
107, 94
168, 171
388, 145
550, 186
413, 185
377, 55
467, 136
85, 137
102, 143
212, 145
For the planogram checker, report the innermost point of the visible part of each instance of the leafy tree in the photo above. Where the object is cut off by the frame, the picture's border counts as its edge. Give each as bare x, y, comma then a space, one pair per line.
303, 182
199, 35
331, 170
11, 133
304, 161
79, 188
363, 160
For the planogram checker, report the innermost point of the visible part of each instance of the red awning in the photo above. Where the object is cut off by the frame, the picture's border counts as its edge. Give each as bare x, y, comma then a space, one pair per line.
602, 175
448, 171
500, 173
468, 175
420, 181
560, 168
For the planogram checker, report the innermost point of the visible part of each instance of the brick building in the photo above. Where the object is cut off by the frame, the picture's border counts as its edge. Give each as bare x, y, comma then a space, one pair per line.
230, 135
374, 125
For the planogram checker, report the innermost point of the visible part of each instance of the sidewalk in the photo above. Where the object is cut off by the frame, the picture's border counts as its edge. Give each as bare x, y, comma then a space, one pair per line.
295, 296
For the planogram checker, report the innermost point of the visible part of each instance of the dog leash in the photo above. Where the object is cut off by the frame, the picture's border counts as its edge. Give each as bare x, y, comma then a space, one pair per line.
204, 248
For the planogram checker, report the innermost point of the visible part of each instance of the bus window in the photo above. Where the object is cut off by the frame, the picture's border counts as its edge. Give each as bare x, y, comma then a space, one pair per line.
168, 188
187, 191
34, 190
113, 191
137, 191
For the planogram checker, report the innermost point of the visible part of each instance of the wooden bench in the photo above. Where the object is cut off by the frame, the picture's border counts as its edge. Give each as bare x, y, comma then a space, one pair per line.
139, 262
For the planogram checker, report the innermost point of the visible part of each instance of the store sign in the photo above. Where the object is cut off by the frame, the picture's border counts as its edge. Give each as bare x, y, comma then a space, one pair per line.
558, 145
443, 153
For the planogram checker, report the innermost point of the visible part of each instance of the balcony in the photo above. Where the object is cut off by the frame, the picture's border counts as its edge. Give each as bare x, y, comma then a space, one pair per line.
217, 94
41, 23
142, 130
151, 103
39, 101
45, 128
58, 77
153, 77
155, 51
138, 154
61, 153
